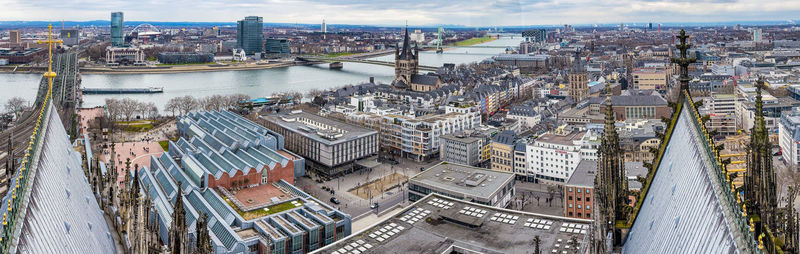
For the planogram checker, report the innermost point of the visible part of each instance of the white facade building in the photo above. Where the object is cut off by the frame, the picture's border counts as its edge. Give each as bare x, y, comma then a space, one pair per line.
553, 157
789, 136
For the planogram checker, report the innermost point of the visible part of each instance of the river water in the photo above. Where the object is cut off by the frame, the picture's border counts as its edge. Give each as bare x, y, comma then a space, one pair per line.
255, 83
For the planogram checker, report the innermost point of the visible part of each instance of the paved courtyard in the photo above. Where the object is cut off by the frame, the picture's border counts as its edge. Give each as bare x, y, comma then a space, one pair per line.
379, 186
526, 196
88, 114
360, 206
138, 152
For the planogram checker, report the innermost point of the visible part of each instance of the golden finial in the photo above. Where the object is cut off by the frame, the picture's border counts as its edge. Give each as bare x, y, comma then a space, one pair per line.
50, 74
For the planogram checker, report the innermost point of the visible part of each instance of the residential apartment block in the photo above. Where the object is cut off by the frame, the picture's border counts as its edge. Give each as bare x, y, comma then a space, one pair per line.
464, 147
502, 158
789, 136
553, 156
419, 137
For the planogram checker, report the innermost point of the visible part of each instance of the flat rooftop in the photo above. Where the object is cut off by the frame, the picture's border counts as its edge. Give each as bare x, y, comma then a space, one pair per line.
463, 138
567, 139
259, 196
472, 181
321, 129
424, 227
247, 233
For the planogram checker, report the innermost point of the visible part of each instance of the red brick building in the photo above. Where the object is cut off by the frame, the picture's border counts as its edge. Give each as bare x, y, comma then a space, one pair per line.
578, 192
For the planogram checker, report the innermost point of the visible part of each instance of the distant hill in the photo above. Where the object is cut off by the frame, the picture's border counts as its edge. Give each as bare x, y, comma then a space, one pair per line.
106, 23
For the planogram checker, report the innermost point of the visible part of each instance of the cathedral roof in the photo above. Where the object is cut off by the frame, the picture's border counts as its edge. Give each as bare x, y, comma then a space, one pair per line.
688, 205
62, 212
430, 80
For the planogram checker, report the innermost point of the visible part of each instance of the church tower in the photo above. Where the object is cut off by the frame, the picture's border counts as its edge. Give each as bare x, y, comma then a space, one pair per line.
578, 81
406, 63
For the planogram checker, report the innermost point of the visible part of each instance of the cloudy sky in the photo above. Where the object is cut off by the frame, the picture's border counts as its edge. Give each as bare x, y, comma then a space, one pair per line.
417, 12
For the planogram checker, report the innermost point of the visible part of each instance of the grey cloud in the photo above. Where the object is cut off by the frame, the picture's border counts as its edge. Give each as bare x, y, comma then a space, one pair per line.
417, 12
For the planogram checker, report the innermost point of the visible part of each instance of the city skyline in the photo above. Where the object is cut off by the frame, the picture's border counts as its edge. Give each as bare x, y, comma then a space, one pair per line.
385, 13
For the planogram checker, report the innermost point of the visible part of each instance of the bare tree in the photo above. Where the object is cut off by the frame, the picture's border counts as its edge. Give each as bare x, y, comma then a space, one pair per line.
129, 107
213, 102
188, 104
297, 97
234, 99
313, 93
142, 109
114, 108
152, 111
172, 105
96, 52
16, 104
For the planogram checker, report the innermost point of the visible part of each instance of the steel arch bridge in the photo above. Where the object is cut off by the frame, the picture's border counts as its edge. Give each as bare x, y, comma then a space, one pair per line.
145, 30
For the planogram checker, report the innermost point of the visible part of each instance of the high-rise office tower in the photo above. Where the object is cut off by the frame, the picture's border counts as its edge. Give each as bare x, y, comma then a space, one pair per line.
14, 37
117, 27
756, 35
324, 27
249, 34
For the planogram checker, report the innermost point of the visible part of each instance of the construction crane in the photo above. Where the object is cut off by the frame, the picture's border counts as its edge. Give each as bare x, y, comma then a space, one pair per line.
439, 48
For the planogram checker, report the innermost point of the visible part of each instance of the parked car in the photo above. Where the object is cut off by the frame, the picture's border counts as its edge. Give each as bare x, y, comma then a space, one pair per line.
373, 205
335, 200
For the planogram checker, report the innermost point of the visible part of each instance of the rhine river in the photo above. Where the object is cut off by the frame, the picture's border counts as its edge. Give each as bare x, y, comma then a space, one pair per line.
255, 83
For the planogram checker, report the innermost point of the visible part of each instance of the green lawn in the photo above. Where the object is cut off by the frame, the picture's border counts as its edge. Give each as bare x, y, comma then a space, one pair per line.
260, 212
164, 145
136, 126
183, 64
473, 41
339, 54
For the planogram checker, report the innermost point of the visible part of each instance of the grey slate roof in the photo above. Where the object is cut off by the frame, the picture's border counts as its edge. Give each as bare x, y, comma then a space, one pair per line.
430, 80
63, 215
632, 98
523, 110
584, 174
683, 209
506, 137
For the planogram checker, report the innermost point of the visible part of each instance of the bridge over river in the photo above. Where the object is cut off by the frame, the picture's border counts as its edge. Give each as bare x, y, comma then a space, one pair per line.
50, 206
317, 59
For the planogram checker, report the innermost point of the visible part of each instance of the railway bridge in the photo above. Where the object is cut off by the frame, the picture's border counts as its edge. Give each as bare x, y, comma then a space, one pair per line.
64, 95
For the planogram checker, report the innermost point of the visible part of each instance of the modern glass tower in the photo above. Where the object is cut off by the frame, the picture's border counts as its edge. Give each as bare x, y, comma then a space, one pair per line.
117, 26
249, 34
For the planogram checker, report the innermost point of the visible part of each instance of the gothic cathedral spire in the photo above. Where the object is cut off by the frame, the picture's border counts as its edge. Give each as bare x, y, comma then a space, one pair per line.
683, 61
760, 186
611, 186
178, 236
